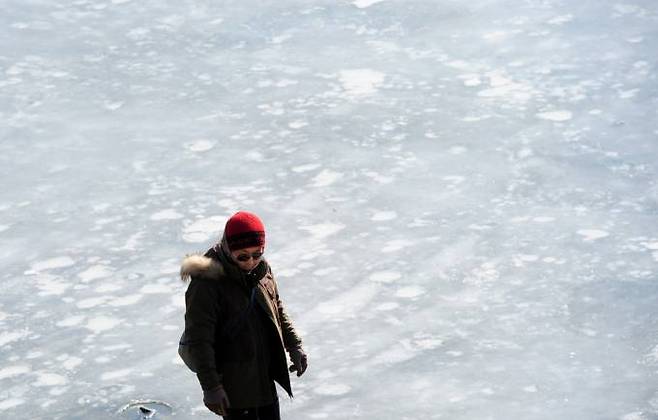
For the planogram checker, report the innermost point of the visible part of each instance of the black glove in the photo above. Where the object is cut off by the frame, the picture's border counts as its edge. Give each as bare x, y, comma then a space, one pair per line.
216, 400
299, 361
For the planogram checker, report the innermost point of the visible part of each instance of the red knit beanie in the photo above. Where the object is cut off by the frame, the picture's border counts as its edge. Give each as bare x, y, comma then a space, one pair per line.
244, 230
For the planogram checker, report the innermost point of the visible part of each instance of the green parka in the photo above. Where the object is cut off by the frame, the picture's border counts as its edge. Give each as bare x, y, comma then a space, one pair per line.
236, 328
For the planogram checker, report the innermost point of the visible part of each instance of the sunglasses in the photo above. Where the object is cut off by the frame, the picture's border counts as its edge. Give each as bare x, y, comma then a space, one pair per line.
247, 257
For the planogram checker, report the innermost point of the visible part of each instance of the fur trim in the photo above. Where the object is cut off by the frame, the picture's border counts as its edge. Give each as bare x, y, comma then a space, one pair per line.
198, 265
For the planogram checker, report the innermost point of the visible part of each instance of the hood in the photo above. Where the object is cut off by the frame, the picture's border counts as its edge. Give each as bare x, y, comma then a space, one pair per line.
200, 266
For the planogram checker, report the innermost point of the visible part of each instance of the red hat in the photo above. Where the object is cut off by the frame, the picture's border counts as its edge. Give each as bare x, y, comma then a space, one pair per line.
244, 230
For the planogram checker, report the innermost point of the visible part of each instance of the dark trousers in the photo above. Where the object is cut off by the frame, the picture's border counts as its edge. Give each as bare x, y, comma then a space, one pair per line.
266, 412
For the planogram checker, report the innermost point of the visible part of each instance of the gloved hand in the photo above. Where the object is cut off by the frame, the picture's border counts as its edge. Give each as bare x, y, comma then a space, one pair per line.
216, 400
299, 361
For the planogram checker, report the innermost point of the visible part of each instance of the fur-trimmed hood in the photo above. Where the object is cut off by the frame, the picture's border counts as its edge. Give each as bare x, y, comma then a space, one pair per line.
199, 265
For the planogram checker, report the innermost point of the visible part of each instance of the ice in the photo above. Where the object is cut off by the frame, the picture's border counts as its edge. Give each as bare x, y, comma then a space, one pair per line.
102, 323
558, 116
592, 234
52, 264
385, 276
168, 214
156, 288
325, 178
71, 321
201, 145
460, 200
361, 82
362, 4
383, 216
201, 230
332, 389
10, 403
46, 379
323, 230
95, 272
7, 337
410, 292
11, 371
113, 375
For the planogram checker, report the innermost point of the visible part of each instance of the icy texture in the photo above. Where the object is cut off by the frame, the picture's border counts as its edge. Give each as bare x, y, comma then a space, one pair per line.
461, 200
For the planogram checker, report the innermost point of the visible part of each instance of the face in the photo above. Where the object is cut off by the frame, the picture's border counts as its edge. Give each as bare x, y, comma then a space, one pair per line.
244, 258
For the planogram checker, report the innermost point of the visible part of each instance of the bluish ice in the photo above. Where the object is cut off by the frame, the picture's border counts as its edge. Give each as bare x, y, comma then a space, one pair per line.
461, 200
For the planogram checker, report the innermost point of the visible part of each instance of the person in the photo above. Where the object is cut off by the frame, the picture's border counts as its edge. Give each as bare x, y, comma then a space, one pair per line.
237, 330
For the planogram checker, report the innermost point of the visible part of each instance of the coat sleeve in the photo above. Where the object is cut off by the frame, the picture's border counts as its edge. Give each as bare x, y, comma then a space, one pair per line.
201, 319
291, 339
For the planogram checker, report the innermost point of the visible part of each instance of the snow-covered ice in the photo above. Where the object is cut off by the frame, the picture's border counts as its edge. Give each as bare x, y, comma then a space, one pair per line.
460, 197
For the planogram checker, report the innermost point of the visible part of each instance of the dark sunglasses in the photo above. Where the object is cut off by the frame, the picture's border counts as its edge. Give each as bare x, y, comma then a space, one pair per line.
247, 257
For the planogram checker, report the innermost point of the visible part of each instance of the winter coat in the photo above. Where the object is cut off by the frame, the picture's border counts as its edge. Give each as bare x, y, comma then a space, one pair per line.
232, 342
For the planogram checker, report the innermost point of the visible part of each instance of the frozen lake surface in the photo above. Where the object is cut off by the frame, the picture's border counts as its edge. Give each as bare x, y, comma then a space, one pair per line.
461, 200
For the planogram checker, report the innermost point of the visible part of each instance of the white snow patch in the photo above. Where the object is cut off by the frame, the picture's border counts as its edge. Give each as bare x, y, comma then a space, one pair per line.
457, 150
559, 20
108, 288
155, 288
11, 371
558, 116
296, 125
51, 285
495, 36
132, 242
108, 376
361, 82
200, 146
396, 245
627, 94
387, 306
95, 272
126, 300
543, 219
50, 264
502, 86
592, 234
72, 363
326, 178
7, 337
332, 389
383, 216
102, 323
323, 230
461, 65
112, 106
10, 403
362, 4
91, 302
203, 229
385, 276
455, 179
167, 214
306, 168
49, 379
343, 306
635, 415
627, 9
71, 321
410, 292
